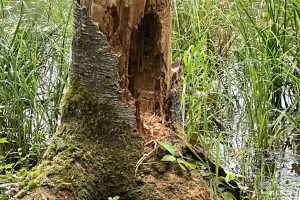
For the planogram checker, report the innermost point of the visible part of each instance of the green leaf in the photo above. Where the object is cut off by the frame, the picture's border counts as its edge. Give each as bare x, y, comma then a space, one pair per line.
230, 176
169, 147
168, 158
23, 159
186, 164
3, 140
182, 166
228, 196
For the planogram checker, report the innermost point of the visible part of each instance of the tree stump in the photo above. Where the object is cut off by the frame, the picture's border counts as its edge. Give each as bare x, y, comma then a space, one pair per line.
120, 72
139, 33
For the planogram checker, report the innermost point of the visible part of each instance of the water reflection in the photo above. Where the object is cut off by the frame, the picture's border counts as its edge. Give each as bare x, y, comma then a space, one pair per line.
240, 156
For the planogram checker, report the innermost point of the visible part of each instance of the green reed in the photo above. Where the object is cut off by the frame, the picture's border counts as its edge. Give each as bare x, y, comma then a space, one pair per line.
269, 56
246, 55
34, 61
232, 51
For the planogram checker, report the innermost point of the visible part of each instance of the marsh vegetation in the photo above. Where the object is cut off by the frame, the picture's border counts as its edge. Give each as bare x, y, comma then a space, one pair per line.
239, 90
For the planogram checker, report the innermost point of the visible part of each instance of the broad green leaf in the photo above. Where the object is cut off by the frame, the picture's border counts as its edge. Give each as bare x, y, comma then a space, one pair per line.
3, 140
169, 147
168, 158
230, 176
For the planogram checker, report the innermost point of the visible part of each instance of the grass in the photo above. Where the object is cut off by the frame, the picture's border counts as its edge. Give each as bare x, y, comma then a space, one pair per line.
34, 61
244, 54
240, 81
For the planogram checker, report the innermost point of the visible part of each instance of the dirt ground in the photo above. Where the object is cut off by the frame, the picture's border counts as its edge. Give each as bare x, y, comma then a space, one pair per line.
169, 180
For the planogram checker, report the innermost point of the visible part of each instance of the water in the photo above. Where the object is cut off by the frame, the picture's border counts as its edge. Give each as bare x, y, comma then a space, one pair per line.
283, 156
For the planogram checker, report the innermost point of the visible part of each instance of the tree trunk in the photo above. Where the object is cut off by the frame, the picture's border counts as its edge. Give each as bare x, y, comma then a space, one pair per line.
120, 69
139, 34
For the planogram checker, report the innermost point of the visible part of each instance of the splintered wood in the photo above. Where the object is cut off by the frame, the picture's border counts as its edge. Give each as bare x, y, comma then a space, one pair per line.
153, 127
139, 33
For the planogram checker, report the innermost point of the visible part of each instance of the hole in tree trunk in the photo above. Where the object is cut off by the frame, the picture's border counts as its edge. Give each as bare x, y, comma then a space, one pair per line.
146, 63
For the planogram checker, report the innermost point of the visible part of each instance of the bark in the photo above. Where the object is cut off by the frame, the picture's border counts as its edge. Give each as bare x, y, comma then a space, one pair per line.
120, 69
139, 32
94, 152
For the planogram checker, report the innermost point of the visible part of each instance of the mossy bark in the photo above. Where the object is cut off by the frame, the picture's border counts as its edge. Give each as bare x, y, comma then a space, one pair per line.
95, 150
121, 54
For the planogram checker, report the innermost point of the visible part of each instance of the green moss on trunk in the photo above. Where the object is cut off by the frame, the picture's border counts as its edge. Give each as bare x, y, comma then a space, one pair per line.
94, 152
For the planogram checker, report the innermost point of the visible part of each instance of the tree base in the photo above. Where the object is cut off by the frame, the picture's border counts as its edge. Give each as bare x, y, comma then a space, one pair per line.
97, 151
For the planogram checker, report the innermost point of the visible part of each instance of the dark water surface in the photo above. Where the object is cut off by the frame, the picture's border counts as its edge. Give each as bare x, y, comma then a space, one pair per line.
283, 159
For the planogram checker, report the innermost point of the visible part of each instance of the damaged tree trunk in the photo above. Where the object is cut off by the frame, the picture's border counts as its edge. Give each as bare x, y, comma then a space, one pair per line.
94, 152
139, 33
120, 70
